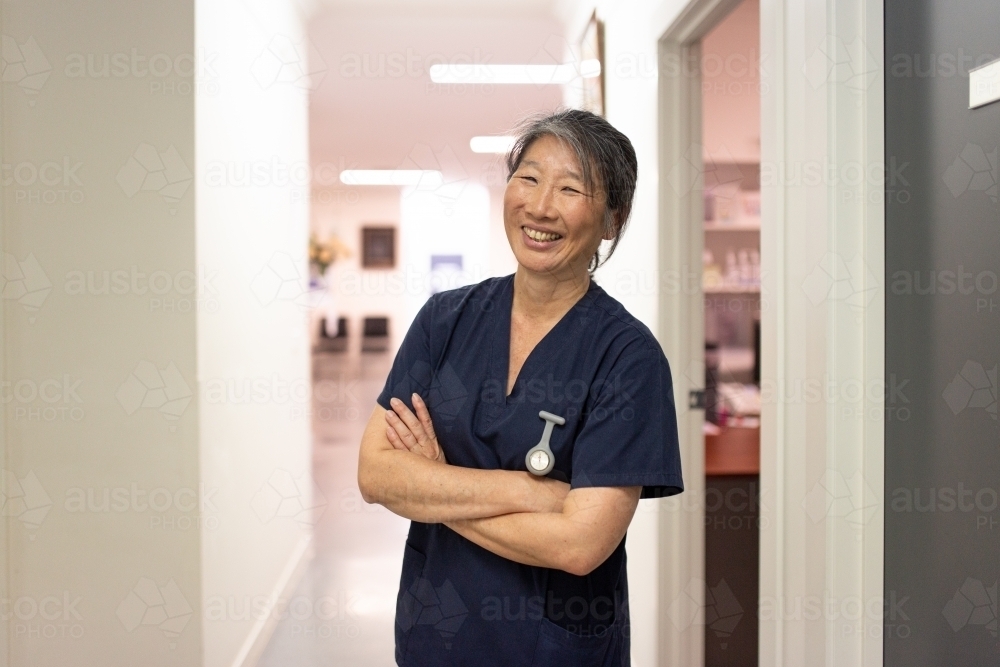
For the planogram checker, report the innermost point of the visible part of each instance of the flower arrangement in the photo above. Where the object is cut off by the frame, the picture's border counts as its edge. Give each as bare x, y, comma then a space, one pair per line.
324, 253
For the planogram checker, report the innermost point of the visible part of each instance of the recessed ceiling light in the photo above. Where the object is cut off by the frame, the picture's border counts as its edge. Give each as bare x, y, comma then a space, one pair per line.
422, 177
497, 144
537, 74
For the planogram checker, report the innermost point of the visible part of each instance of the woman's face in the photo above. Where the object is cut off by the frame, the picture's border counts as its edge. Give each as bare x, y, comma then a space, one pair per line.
554, 222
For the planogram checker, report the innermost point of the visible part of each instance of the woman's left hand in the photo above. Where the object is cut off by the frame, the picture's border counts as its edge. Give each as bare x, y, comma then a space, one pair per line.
414, 433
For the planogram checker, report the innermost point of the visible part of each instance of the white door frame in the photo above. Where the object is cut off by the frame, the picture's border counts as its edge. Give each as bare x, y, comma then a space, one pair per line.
822, 260
682, 323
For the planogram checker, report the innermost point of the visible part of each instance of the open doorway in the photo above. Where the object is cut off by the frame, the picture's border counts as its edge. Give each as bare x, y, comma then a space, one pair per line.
730, 137
709, 119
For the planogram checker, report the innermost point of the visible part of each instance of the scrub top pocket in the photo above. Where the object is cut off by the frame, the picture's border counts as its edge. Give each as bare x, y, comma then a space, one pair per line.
558, 647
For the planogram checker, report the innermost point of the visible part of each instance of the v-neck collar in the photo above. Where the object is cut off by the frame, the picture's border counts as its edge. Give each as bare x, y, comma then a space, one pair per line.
501, 337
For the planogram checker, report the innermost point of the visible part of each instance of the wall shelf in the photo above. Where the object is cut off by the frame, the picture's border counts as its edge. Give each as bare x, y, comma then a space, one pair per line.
735, 227
734, 289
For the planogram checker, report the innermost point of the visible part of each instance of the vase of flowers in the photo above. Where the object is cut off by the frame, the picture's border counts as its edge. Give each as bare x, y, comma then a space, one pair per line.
322, 254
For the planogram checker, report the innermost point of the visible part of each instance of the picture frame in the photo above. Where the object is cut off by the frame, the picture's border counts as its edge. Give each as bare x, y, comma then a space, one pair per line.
591, 47
378, 247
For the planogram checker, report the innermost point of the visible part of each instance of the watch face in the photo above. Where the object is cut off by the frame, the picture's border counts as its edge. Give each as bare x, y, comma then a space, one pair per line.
539, 460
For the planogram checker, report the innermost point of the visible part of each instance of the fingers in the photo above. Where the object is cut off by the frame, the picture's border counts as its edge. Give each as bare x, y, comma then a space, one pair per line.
394, 439
408, 418
402, 430
424, 415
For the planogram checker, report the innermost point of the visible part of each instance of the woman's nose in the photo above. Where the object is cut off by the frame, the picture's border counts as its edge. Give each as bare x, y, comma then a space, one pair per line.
539, 202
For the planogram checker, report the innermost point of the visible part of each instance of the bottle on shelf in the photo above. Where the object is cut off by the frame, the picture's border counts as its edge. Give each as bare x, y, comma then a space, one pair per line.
711, 274
745, 270
732, 275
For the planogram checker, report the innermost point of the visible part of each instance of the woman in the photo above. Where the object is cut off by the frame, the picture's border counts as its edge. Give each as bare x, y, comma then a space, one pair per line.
503, 566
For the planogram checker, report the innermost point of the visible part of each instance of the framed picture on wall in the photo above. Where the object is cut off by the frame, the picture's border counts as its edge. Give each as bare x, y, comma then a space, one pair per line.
592, 48
378, 247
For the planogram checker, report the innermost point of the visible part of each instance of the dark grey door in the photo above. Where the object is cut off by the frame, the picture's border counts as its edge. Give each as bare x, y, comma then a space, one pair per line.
942, 448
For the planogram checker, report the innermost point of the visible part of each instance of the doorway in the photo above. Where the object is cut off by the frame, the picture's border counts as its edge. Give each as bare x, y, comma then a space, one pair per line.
730, 137
710, 208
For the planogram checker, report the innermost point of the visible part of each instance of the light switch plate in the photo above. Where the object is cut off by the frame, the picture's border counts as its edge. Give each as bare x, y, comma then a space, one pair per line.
984, 84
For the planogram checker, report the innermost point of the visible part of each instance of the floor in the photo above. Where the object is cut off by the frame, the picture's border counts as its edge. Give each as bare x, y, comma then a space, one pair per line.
353, 576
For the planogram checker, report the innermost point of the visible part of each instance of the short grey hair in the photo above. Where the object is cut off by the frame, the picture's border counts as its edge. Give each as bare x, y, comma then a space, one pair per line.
606, 156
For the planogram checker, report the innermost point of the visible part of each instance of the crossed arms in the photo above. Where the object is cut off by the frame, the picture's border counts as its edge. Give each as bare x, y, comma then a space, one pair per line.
527, 519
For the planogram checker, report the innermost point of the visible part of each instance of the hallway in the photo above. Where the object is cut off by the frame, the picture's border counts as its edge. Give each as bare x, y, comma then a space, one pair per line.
342, 610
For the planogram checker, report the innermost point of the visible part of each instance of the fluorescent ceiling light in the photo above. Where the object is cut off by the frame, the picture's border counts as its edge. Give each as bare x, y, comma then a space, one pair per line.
539, 74
491, 144
421, 177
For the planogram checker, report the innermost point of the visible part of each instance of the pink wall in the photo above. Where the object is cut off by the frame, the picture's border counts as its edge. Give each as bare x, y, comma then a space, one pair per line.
730, 86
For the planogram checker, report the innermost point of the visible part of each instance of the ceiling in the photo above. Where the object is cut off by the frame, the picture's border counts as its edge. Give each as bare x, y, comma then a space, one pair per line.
376, 107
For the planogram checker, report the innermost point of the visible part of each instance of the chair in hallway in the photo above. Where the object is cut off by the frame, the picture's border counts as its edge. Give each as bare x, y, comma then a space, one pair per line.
336, 342
375, 337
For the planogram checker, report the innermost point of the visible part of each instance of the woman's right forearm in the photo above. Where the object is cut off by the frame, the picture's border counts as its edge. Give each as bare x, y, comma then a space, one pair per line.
429, 491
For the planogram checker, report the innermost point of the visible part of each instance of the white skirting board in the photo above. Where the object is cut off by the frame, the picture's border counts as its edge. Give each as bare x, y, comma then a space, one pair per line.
260, 634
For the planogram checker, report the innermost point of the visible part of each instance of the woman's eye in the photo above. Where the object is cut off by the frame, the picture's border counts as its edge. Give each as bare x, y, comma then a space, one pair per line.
573, 190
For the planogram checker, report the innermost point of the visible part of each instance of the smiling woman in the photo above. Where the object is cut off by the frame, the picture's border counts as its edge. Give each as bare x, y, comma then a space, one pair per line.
590, 164
504, 565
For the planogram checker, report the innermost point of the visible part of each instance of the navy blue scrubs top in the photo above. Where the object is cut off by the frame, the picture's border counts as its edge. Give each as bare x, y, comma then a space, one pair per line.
601, 369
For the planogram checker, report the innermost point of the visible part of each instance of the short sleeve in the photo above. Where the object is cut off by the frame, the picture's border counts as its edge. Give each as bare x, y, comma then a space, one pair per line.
629, 434
412, 368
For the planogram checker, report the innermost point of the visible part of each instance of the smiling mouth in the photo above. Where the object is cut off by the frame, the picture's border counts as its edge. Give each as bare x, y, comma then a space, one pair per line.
541, 237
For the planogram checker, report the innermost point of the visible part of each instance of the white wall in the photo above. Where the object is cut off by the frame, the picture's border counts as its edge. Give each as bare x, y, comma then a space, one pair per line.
90, 342
128, 288
252, 234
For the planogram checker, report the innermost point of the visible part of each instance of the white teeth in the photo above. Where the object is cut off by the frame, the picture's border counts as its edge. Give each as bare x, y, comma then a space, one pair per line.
541, 236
